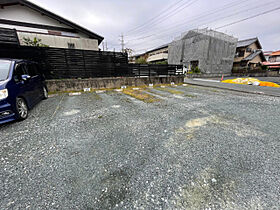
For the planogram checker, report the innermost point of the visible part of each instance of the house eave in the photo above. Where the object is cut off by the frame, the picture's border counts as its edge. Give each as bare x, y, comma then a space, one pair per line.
53, 16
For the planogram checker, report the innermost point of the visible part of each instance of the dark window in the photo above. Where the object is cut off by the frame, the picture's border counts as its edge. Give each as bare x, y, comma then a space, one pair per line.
243, 63
272, 59
194, 64
241, 53
71, 45
32, 70
19, 71
249, 49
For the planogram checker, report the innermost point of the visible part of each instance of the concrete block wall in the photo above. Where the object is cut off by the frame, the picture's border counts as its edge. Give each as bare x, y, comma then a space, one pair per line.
100, 83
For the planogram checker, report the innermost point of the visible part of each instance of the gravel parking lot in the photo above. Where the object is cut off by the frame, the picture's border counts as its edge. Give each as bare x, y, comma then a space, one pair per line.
163, 148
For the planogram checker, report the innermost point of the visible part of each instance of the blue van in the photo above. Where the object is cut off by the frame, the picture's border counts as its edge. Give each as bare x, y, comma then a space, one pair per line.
22, 86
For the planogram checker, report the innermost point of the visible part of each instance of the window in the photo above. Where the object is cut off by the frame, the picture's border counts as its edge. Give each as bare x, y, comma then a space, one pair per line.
249, 50
243, 64
4, 69
19, 71
194, 64
71, 45
272, 59
32, 70
241, 53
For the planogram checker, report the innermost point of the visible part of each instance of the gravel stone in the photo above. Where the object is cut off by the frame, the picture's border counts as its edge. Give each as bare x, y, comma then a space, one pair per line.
204, 149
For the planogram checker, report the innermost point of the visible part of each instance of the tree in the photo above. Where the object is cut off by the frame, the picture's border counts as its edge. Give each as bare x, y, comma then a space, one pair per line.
34, 43
141, 60
128, 51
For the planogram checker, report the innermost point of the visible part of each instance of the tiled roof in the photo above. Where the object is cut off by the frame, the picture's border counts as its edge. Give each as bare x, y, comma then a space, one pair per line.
271, 64
275, 53
253, 55
247, 42
158, 48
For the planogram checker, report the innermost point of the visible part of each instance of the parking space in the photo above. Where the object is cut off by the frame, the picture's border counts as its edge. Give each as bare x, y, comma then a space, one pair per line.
153, 148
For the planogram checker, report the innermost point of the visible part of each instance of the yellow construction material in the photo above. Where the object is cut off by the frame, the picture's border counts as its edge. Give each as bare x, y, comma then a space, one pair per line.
251, 81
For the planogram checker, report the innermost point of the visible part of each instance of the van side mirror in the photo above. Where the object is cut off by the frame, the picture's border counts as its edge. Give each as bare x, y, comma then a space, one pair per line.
25, 77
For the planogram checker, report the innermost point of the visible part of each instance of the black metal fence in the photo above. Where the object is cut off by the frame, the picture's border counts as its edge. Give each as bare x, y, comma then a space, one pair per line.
58, 63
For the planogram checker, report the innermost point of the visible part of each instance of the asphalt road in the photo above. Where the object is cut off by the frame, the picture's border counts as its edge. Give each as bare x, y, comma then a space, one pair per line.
195, 148
268, 91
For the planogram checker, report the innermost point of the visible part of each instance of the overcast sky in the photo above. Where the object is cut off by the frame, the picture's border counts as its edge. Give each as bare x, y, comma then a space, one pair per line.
147, 24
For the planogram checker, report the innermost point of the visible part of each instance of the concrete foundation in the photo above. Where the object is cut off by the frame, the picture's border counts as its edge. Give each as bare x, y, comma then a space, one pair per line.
100, 83
207, 75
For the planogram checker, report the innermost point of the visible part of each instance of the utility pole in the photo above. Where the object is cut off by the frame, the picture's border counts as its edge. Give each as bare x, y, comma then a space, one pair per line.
106, 46
103, 45
122, 43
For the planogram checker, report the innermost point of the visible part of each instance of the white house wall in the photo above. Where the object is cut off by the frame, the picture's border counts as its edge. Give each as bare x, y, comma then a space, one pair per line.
60, 41
157, 57
27, 15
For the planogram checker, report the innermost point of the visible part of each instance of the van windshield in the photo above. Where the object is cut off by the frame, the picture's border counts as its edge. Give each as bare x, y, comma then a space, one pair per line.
4, 69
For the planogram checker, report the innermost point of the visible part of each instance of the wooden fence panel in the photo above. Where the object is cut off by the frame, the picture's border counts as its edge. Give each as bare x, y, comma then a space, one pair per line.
59, 63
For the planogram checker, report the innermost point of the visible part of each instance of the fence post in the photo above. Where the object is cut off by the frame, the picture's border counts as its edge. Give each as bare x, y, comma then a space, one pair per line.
67, 65
85, 71
139, 71
114, 61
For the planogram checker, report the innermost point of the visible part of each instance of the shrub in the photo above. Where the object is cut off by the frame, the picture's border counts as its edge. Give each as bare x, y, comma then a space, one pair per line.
141, 60
196, 70
162, 63
35, 42
264, 67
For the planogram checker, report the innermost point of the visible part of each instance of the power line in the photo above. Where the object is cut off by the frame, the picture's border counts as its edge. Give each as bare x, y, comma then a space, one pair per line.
248, 18
192, 20
242, 20
155, 17
161, 35
173, 12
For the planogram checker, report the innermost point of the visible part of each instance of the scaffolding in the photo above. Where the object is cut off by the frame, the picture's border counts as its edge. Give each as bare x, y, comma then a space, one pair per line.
210, 51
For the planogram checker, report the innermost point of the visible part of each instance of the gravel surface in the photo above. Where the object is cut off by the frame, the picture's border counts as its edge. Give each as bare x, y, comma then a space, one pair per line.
195, 148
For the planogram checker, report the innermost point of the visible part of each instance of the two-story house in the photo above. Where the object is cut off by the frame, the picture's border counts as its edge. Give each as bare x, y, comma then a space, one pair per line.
273, 61
249, 54
31, 21
159, 54
274, 57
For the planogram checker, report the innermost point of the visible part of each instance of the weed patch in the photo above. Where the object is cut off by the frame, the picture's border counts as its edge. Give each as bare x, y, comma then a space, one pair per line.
172, 91
138, 94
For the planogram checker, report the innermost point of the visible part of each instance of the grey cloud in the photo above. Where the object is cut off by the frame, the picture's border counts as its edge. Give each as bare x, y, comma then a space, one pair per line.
110, 18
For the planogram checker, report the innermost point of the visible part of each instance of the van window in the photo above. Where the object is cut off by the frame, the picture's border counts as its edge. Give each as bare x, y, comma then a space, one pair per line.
19, 71
4, 69
32, 70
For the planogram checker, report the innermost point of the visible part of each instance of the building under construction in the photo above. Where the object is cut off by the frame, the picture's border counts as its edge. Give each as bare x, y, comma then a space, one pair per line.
209, 51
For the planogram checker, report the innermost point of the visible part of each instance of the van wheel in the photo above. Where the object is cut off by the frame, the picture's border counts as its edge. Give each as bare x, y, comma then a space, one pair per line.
46, 94
22, 109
